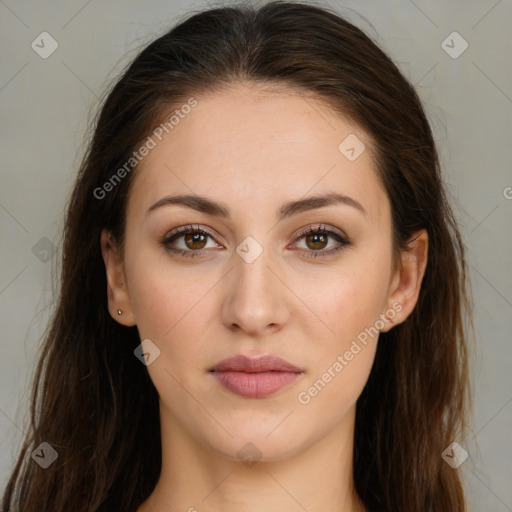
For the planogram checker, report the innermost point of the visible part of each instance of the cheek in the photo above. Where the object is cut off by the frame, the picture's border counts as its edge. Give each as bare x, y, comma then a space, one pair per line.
169, 305
350, 299
351, 304
326, 398
172, 311
343, 356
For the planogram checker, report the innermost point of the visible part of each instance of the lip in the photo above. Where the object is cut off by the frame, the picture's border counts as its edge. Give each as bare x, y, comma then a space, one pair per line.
255, 377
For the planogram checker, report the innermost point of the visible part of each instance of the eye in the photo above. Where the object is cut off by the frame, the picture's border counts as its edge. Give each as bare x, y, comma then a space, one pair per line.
317, 239
193, 243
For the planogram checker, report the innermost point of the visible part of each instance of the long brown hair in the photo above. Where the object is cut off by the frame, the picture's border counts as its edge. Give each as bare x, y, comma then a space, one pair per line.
92, 400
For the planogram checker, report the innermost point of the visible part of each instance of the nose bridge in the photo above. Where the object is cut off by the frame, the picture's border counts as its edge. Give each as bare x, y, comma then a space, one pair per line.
255, 298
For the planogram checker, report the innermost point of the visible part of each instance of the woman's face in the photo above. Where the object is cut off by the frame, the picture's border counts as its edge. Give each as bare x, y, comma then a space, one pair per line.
255, 285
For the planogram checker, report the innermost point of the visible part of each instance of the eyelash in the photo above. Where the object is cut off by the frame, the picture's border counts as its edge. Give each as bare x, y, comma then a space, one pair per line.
179, 232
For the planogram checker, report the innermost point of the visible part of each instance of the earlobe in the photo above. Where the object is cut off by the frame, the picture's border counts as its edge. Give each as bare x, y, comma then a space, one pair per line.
406, 282
117, 293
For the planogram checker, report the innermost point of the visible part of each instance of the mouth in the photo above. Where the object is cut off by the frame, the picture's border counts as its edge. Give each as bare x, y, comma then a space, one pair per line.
255, 377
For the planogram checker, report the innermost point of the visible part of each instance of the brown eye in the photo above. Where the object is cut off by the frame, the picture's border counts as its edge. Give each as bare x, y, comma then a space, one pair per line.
188, 241
316, 241
194, 241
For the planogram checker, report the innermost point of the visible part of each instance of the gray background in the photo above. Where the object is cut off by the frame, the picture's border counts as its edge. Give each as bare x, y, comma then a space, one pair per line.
46, 104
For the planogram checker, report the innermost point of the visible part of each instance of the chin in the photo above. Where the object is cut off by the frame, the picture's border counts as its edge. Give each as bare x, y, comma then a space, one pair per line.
255, 441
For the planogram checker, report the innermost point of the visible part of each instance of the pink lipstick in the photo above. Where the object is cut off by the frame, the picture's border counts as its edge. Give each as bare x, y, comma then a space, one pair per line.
255, 377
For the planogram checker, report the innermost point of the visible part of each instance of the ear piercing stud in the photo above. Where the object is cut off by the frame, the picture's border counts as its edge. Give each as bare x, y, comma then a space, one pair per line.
119, 312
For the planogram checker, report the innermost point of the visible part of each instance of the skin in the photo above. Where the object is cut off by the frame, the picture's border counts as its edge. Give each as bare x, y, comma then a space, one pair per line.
254, 149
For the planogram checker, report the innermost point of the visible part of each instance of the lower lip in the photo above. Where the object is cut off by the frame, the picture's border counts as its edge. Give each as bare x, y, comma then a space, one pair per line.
255, 385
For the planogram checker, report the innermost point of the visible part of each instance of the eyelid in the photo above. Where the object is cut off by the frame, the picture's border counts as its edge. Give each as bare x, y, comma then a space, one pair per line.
321, 227
311, 228
190, 228
330, 232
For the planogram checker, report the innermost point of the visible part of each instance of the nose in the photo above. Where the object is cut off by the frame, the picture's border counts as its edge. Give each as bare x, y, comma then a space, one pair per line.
256, 296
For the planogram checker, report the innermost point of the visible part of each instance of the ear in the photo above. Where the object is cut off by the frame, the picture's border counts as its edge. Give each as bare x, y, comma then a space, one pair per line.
405, 284
117, 292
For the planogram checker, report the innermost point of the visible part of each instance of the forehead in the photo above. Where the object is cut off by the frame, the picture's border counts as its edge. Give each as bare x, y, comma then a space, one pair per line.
259, 146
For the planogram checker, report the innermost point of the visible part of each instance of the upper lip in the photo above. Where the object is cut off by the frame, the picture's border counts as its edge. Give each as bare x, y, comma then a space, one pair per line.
242, 363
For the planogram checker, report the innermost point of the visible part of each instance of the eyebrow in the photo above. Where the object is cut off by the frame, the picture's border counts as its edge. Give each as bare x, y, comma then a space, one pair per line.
210, 207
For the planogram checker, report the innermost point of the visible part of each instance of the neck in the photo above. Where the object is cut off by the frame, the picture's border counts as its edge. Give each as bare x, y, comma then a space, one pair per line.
196, 478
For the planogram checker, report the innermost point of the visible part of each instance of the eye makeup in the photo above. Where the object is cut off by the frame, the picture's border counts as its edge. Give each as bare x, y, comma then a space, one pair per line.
194, 234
